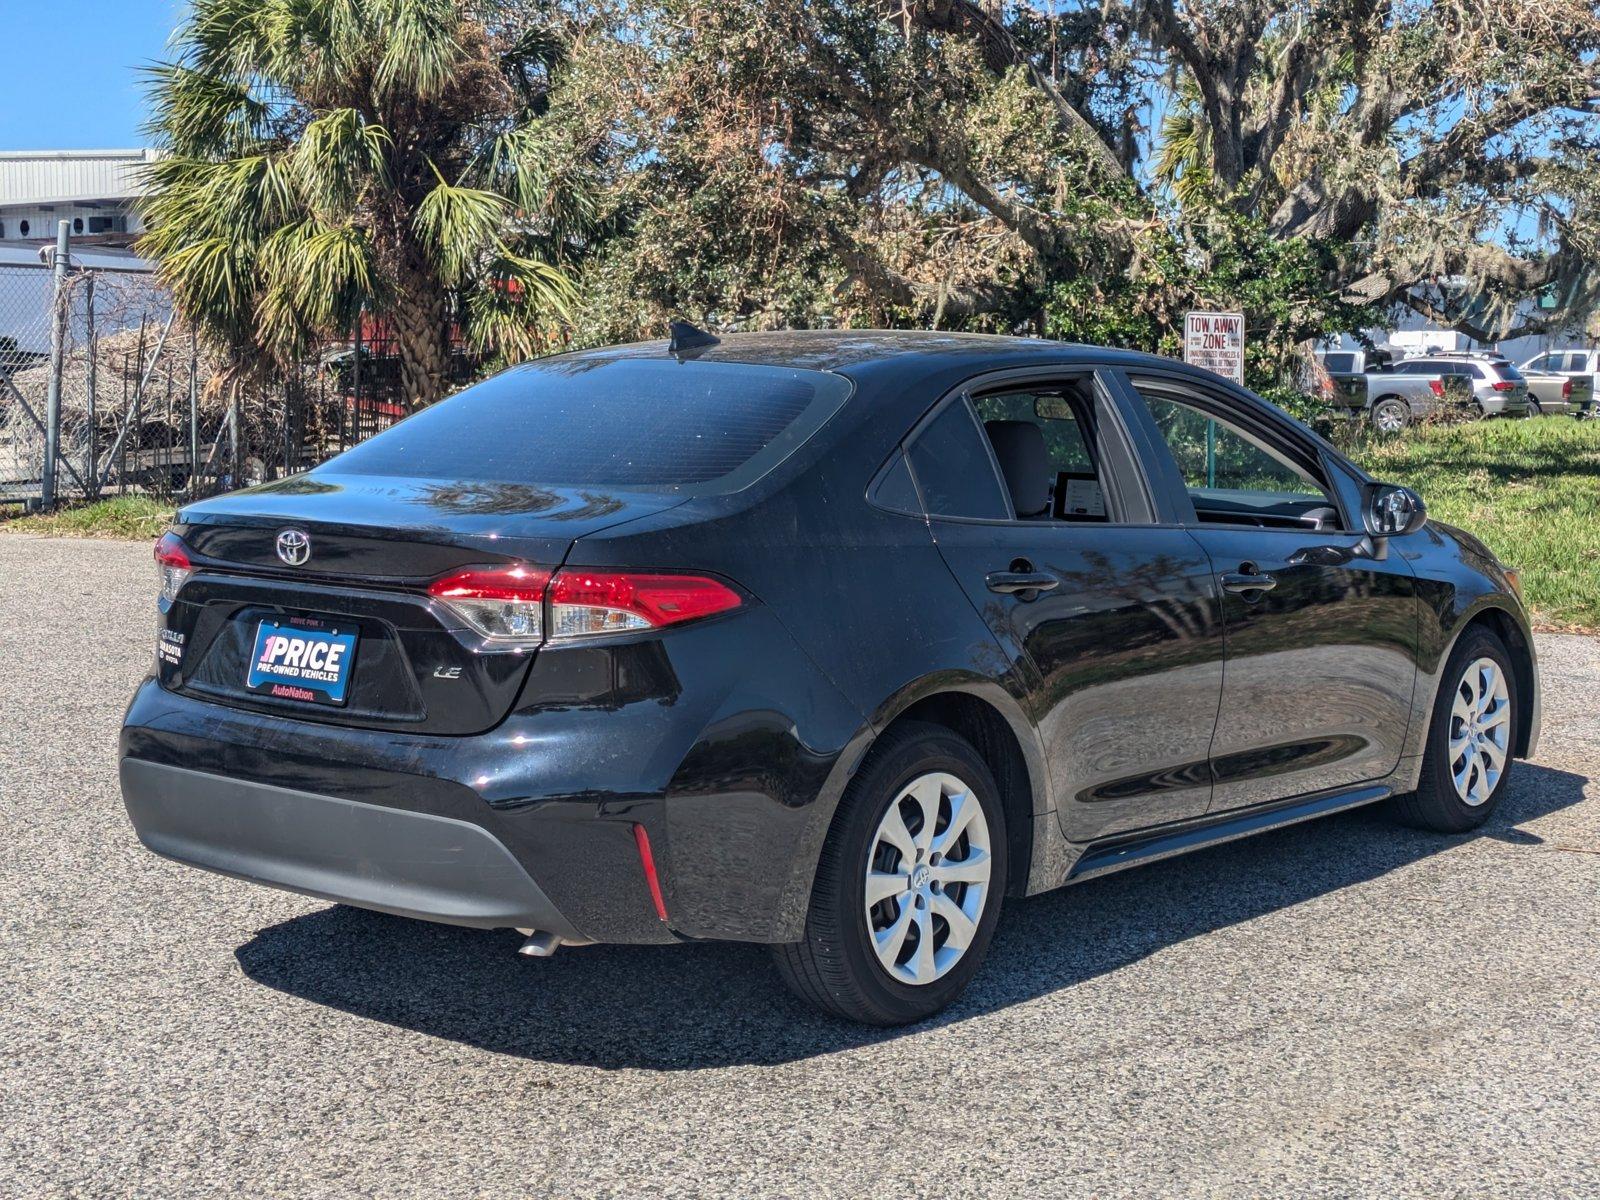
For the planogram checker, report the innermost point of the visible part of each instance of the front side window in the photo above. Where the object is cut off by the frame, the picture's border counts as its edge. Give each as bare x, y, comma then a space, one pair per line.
1545, 362
954, 471
1233, 476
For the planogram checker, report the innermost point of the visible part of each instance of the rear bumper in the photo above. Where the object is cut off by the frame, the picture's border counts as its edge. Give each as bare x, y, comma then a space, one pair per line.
413, 864
1502, 404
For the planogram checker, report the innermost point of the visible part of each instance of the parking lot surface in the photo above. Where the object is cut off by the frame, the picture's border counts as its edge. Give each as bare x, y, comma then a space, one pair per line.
1346, 1008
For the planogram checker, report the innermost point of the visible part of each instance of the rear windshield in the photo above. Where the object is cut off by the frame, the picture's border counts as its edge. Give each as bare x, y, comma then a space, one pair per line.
621, 422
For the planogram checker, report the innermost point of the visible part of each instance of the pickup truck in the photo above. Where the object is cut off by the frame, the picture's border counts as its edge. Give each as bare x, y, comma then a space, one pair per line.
1364, 382
1563, 381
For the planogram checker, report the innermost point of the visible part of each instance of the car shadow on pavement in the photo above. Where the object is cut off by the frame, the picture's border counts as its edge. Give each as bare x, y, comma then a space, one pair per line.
713, 1005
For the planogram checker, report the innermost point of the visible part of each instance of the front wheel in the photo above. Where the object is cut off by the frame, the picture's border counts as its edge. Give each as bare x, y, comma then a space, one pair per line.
908, 887
1468, 756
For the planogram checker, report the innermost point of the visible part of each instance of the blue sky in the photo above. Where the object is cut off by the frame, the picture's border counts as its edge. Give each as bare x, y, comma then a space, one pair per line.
86, 94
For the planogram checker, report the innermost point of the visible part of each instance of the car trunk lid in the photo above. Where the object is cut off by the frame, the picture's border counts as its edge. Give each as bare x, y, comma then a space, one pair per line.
344, 563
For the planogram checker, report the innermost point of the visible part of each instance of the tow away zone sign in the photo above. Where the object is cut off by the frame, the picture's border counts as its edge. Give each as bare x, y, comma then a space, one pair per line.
1215, 341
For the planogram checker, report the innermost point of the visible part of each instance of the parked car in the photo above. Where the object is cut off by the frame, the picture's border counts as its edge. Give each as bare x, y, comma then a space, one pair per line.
1364, 383
830, 641
1498, 387
1576, 368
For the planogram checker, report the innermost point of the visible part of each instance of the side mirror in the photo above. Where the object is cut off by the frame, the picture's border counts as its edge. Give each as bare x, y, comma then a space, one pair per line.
1393, 511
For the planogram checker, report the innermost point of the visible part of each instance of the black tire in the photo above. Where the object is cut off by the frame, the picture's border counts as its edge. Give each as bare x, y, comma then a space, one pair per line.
1435, 804
834, 968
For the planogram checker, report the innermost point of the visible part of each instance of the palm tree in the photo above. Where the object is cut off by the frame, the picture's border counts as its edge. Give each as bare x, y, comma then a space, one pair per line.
328, 156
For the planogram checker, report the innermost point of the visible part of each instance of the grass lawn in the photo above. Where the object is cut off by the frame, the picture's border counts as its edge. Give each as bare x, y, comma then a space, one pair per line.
135, 517
1529, 489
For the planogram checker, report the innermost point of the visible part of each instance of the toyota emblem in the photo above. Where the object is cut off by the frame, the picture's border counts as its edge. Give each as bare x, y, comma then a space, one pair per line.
294, 547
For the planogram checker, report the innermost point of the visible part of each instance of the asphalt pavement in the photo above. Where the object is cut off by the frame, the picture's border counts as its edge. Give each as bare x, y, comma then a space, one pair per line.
1346, 1008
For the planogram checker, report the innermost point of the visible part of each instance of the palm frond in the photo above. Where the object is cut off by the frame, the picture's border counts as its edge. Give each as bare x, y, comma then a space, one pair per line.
455, 224
339, 155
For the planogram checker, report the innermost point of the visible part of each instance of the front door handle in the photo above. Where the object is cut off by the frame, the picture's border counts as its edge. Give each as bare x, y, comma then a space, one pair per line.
1242, 582
1011, 582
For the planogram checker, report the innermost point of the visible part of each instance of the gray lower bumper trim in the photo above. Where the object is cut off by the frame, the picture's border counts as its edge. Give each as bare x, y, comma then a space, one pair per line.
412, 864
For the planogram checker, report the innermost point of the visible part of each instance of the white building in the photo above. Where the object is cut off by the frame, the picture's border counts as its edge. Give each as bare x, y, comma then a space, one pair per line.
94, 190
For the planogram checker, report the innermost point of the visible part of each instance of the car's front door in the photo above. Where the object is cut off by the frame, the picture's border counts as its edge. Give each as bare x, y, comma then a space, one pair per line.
1321, 633
1114, 619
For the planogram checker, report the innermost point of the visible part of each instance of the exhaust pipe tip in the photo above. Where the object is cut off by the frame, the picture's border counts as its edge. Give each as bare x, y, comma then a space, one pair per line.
541, 943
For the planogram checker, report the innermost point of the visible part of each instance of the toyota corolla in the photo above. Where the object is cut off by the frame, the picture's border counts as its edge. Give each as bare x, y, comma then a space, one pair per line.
830, 641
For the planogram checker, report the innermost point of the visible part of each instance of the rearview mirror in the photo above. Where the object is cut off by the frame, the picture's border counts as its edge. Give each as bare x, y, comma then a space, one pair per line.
1393, 510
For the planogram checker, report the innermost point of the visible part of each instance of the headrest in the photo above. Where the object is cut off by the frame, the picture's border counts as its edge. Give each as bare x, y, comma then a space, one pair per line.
1024, 462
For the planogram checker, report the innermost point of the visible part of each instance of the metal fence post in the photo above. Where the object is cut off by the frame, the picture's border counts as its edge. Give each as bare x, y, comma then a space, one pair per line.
194, 412
58, 354
91, 449
233, 443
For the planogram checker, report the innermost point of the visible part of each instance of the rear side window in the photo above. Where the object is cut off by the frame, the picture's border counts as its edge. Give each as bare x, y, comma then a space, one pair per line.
950, 457
620, 422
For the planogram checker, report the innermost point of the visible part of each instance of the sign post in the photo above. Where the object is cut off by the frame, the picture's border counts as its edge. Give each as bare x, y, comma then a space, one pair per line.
1215, 341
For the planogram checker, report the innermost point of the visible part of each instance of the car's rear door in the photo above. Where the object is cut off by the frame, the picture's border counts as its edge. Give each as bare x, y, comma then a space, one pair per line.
1114, 618
1321, 634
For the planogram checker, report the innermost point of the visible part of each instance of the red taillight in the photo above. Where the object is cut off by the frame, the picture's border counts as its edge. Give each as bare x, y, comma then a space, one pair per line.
648, 862
1436, 386
590, 602
1505, 385
173, 567
1566, 389
505, 604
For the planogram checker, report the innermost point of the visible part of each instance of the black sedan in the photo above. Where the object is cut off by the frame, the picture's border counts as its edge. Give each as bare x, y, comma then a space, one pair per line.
825, 640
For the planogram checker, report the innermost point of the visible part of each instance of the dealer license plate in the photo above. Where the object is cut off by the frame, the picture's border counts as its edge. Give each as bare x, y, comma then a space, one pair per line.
302, 660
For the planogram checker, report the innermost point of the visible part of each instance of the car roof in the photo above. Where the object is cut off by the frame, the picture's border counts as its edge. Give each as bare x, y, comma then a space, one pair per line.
870, 351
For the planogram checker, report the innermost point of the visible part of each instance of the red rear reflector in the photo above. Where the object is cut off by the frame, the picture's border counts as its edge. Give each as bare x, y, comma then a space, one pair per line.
648, 862
586, 601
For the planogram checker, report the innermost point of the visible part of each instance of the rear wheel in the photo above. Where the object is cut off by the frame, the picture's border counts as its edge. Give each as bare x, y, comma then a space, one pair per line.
1470, 739
1390, 415
908, 888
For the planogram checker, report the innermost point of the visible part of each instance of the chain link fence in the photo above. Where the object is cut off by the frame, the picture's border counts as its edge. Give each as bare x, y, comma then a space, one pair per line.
139, 410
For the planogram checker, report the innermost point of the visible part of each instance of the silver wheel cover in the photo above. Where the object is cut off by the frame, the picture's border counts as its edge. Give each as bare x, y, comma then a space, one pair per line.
1390, 417
927, 878
1480, 731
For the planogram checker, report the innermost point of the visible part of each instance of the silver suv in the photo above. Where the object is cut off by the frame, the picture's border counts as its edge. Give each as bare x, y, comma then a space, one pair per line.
1497, 385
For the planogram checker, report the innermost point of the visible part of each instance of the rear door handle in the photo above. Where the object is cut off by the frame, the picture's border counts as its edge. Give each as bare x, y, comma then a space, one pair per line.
1011, 582
1239, 582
